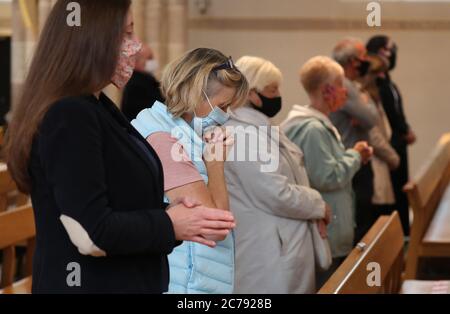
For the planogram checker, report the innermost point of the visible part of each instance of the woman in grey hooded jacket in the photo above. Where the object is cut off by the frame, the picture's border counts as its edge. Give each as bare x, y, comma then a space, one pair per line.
329, 166
270, 194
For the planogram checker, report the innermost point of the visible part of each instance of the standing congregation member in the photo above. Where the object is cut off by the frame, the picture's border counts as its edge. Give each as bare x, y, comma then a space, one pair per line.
402, 133
385, 157
96, 185
354, 122
275, 208
329, 165
198, 87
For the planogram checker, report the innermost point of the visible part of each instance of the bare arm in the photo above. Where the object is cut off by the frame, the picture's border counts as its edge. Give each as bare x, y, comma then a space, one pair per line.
201, 193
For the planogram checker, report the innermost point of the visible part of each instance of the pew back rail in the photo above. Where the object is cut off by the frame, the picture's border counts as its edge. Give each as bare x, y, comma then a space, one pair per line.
17, 226
430, 234
380, 253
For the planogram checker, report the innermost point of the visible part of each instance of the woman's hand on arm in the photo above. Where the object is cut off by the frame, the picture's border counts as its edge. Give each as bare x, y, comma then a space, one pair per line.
186, 201
197, 191
200, 224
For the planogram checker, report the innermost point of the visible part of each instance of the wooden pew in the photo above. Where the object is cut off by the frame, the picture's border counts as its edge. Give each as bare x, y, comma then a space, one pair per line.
21, 287
429, 197
16, 226
10, 197
383, 244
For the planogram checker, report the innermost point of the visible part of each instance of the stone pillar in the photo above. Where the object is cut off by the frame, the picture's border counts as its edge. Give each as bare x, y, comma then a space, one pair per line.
166, 28
18, 43
45, 6
177, 16
154, 28
139, 18
24, 39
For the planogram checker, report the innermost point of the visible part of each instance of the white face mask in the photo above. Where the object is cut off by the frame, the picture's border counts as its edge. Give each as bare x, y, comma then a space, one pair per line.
151, 66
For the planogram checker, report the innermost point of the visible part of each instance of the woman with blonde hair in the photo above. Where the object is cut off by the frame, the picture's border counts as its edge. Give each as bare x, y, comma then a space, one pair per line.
275, 207
198, 88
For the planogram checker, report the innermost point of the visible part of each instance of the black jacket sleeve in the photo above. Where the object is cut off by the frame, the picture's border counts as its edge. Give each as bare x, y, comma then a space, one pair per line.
71, 145
396, 117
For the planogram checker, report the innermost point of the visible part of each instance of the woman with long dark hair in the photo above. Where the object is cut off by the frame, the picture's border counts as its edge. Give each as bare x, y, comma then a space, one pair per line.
95, 183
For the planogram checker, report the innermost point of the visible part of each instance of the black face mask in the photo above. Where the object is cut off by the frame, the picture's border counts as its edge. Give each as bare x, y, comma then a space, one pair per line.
393, 58
270, 106
363, 68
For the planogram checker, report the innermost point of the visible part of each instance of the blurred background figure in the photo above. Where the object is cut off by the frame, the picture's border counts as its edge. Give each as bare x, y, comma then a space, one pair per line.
385, 157
402, 134
354, 122
143, 89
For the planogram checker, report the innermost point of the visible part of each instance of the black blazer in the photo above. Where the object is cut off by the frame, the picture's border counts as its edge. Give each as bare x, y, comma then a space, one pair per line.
85, 165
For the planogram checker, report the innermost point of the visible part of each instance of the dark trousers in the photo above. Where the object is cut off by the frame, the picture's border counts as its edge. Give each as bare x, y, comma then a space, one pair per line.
399, 178
363, 189
383, 210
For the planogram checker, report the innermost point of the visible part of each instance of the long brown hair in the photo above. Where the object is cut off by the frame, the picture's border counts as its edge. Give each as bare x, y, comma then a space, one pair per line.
68, 61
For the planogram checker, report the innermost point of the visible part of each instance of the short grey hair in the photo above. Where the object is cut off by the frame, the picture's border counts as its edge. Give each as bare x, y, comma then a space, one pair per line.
346, 49
319, 71
259, 72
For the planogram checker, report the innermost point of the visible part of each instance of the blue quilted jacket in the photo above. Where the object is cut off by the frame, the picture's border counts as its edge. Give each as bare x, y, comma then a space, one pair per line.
194, 268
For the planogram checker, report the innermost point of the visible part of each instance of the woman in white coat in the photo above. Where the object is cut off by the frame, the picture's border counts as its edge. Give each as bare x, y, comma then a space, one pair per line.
270, 194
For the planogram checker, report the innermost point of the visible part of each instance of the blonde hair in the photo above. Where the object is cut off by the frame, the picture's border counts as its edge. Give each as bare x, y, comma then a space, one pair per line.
185, 79
319, 71
259, 72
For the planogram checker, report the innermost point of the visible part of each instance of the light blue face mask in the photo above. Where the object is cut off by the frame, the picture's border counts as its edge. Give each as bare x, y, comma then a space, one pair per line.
215, 118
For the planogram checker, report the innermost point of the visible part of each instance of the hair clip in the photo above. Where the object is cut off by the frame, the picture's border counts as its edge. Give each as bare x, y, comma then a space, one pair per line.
227, 65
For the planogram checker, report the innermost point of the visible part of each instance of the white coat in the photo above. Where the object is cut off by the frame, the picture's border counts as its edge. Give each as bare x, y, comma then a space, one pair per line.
274, 249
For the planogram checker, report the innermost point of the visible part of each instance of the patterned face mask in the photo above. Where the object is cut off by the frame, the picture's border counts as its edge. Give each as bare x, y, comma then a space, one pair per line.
127, 62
